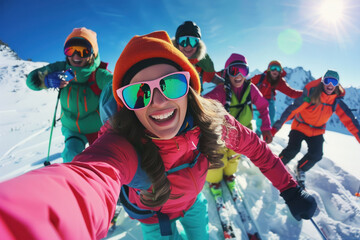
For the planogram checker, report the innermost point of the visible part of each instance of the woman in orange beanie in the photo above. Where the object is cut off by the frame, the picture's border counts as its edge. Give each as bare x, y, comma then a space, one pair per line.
157, 149
79, 96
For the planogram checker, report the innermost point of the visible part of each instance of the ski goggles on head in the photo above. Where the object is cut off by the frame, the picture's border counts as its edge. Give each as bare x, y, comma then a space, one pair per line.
333, 81
275, 68
83, 52
236, 69
184, 41
138, 95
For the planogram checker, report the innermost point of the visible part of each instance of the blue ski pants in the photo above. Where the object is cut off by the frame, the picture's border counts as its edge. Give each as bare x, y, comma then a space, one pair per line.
74, 144
195, 223
271, 115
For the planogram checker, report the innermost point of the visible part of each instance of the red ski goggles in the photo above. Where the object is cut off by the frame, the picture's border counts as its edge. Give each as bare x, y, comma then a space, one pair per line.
184, 41
333, 81
138, 95
238, 68
83, 52
275, 68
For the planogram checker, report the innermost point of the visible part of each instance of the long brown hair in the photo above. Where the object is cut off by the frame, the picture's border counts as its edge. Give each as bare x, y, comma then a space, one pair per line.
315, 93
273, 82
207, 114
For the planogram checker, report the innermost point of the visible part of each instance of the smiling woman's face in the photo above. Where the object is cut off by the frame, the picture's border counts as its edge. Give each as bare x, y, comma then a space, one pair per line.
188, 51
237, 81
77, 61
329, 89
163, 117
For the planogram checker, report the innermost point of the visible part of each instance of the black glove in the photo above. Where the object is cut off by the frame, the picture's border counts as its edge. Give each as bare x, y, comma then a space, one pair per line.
301, 204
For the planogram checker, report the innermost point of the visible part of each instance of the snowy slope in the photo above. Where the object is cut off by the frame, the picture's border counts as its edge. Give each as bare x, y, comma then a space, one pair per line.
26, 116
25, 122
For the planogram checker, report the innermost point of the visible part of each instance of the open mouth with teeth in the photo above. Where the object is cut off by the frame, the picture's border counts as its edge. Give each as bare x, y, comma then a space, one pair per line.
77, 61
238, 81
163, 117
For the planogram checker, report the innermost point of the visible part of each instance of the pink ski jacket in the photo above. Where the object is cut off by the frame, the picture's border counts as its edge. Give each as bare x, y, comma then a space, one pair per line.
77, 200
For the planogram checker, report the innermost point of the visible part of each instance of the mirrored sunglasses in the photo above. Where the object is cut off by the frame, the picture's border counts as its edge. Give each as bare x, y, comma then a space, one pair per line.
184, 41
138, 95
83, 52
238, 68
333, 81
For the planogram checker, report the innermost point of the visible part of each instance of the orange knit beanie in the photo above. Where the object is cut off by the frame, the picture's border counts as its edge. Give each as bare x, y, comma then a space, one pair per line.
153, 45
87, 34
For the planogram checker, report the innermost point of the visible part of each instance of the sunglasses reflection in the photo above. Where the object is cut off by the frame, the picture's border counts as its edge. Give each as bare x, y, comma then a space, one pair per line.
188, 41
171, 86
235, 70
275, 68
83, 52
142, 94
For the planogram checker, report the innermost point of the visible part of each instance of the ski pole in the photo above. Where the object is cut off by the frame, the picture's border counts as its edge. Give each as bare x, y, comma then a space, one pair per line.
47, 162
318, 229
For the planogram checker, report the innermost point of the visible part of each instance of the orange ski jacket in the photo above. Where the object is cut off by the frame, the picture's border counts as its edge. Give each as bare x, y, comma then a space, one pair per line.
311, 119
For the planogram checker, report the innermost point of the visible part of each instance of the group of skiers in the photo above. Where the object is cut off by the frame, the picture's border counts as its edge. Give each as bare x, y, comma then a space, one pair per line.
160, 140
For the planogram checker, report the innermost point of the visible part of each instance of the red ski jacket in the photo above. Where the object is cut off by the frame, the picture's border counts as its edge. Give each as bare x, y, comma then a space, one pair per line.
269, 92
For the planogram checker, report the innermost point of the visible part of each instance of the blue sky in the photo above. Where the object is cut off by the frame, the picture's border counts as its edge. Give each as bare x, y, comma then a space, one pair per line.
303, 33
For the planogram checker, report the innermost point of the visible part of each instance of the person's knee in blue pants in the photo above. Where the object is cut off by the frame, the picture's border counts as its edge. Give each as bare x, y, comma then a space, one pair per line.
258, 122
195, 223
196, 219
73, 146
272, 111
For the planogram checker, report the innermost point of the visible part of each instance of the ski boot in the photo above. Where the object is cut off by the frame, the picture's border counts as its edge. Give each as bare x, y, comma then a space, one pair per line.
216, 191
118, 216
300, 177
230, 182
